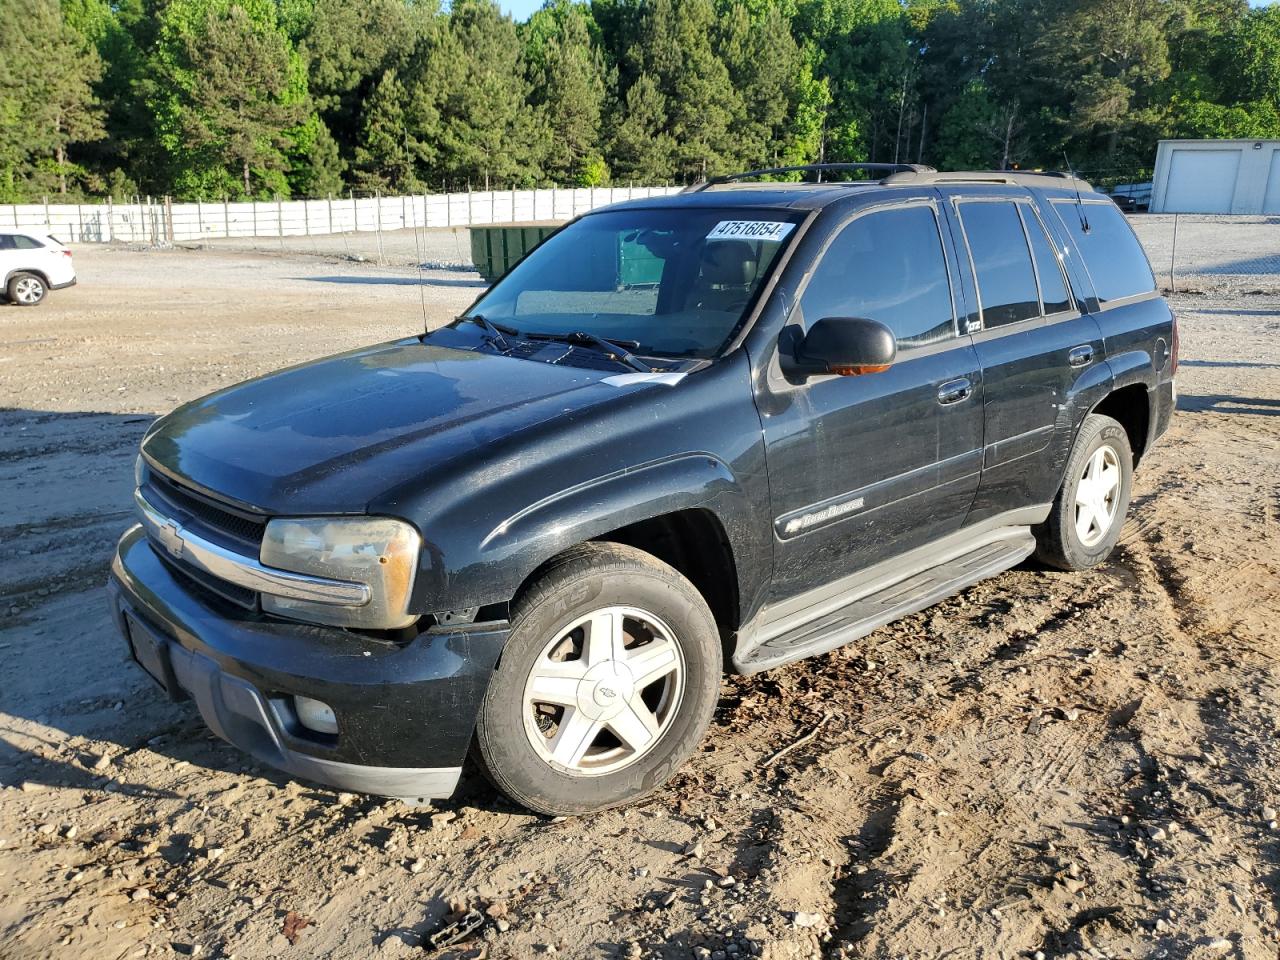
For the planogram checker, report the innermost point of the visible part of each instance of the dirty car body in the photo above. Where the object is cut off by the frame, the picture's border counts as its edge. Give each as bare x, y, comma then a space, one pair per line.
329, 554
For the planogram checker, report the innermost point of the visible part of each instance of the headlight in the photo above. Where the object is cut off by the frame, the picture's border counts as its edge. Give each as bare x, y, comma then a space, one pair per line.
139, 472
377, 551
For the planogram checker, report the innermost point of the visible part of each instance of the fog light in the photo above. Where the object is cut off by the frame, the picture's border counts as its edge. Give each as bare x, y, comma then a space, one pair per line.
315, 715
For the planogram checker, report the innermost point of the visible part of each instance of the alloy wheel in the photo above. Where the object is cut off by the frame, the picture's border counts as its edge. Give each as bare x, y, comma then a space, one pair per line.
1098, 496
603, 692
28, 290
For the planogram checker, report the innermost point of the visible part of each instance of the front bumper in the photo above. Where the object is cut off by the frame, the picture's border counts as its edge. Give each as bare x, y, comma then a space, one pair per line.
405, 712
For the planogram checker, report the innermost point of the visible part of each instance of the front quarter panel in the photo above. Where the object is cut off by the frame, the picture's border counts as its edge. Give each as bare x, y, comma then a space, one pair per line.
488, 523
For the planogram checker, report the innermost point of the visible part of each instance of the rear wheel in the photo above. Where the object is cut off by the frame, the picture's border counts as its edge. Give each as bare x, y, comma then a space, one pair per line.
1088, 513
607, 683
26, 289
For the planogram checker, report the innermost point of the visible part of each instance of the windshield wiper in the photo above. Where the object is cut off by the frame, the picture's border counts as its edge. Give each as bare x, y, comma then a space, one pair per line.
493, 331
619, 350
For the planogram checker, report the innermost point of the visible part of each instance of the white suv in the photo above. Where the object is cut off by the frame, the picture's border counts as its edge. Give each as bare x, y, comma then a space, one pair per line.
31, 264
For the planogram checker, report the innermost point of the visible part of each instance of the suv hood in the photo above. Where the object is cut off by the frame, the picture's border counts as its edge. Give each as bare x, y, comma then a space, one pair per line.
331, 435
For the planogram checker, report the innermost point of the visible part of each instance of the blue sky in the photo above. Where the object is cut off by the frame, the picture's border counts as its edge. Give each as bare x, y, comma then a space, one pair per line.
521, 9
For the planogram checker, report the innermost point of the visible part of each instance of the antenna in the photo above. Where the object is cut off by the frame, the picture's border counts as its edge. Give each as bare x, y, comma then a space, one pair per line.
419, 249
1075, 181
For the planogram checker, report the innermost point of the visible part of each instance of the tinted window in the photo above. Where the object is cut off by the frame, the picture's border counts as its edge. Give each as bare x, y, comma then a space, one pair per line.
1111, 252
6, 241
26, 243
1053, 285
1006, 280
886, 266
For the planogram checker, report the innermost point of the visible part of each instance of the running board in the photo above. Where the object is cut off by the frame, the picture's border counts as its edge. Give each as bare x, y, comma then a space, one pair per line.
866, 613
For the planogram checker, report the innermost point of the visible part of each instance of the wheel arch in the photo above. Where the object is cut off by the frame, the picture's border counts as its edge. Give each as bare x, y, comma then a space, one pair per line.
692, 541
1130, 406
44, 277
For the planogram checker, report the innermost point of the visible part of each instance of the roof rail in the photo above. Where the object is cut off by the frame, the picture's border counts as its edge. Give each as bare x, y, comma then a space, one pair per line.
1019, 177
819, 168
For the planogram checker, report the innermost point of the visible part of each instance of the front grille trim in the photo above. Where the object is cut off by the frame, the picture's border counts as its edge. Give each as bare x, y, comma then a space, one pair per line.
204, 512
239, 568
201, 581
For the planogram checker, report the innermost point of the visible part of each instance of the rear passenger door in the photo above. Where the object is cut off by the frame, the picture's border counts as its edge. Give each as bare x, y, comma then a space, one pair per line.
1036, 349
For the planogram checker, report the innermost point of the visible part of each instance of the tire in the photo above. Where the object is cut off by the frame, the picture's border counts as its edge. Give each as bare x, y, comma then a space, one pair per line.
1084, 524
553, 686
26, 289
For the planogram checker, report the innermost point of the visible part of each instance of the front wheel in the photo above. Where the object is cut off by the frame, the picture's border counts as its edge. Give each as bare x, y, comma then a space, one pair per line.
1088, 513
26, 289
607, 683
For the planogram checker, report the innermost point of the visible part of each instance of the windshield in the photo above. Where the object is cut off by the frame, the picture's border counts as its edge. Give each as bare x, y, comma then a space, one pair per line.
677, 282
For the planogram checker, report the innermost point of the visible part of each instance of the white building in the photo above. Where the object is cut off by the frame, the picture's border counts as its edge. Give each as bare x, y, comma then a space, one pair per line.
1217, 176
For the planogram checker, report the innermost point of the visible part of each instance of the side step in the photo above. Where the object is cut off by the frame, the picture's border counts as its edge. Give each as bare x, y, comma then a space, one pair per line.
865, 613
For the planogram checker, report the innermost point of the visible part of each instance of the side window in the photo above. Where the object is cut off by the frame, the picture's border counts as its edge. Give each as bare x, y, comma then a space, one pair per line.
1111, 252
1053, 285
26, 243
1002, 262
886, 266
6, 241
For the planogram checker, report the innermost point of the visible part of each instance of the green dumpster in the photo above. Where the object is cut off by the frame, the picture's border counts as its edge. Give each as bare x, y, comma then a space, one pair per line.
496, 249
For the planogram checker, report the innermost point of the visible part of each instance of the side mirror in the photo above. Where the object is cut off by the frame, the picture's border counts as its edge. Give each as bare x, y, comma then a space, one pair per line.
847, 346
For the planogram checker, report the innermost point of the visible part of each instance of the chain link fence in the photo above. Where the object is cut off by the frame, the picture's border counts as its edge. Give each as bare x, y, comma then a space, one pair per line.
1212, 252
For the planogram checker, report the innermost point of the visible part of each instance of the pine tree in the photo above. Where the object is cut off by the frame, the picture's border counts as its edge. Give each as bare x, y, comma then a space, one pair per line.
230, 99
700, 101
347, 46
1108, 61
315, 165
384, 159
47, 105
471, 75
764, 67
568, 87
641, 148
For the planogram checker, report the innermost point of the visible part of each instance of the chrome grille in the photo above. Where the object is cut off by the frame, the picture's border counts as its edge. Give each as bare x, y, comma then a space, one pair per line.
206, 512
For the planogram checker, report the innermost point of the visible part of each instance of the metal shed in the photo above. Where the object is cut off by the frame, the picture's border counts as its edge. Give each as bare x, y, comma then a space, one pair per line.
1217, 176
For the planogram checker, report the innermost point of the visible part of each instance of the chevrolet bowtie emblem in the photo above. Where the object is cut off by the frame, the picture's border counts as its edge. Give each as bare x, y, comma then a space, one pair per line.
170, 538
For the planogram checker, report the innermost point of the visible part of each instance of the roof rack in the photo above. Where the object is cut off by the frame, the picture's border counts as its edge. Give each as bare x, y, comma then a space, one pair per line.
1018, 177
888, 169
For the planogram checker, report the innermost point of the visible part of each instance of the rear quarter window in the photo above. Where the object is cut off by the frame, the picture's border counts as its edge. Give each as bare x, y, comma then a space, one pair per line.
1112, 255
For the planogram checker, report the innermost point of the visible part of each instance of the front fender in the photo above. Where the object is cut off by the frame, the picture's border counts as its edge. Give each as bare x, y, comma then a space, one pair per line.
517, 545
524, 541
492, 518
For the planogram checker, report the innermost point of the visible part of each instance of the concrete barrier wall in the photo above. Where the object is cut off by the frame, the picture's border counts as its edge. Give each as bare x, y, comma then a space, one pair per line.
158, 220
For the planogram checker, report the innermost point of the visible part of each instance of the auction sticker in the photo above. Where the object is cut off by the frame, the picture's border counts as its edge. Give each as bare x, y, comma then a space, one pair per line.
771, 230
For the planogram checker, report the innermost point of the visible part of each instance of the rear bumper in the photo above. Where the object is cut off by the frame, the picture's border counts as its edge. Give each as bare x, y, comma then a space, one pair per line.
405, 712
63, 285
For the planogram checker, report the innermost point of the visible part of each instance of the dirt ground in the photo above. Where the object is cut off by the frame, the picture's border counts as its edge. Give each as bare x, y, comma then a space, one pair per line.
1057, 764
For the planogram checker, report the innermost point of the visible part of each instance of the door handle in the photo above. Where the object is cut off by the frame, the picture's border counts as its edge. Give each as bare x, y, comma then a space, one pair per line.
1079, 356
953, 391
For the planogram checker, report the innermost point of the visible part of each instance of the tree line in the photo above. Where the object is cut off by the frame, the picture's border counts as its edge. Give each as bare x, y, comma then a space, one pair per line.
303, 98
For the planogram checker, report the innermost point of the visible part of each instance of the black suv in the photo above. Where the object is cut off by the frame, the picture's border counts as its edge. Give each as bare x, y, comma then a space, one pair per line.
723, 430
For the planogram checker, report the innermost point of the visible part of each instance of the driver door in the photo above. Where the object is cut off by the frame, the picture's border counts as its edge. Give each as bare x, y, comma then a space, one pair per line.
864, 468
